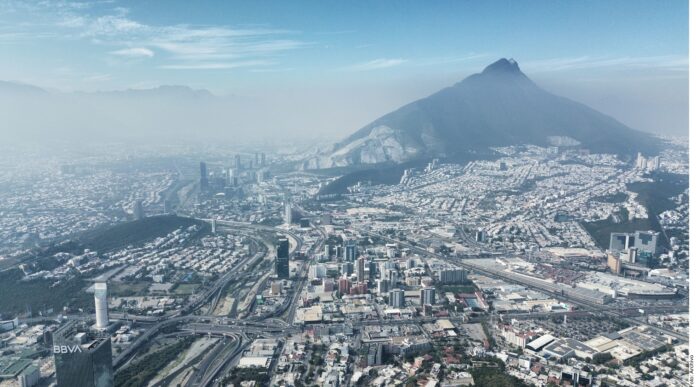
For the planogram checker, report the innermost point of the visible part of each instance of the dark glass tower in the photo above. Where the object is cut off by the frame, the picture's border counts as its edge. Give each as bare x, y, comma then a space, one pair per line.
282, 263
81, 359
204, 175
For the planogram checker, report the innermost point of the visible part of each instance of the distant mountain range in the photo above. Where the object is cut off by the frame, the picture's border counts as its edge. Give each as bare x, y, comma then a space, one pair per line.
500, 106
160, 113
164, 91
7, 87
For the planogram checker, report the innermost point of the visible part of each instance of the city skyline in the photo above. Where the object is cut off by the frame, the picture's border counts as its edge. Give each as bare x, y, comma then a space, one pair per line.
324, 193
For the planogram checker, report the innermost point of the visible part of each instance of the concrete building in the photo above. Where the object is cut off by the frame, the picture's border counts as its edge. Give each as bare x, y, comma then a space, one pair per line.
614, 263
382, 286
396, 298
344, 285
451, 276
360, 270
427, 296
347, 268
29, 377
374, 354
644, 241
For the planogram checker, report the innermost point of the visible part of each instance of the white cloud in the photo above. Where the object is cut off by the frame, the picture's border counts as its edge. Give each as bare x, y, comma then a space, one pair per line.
664, 62
98, 78
113, 25
376, 64
180, 46
216, 65
134, 52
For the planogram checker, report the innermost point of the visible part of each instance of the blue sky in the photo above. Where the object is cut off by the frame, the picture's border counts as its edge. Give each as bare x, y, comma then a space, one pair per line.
264, 47
223, 45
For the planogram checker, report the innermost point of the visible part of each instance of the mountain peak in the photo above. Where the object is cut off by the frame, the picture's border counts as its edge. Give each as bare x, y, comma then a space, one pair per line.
498, 107
508, 66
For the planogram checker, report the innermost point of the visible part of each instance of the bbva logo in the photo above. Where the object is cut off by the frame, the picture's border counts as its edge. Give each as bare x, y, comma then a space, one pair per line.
66, 348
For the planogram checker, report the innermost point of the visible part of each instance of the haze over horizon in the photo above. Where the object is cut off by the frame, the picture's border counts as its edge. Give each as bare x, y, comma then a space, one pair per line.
280, 70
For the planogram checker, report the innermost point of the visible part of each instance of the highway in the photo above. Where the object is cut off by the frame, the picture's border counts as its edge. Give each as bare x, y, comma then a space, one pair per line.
215, 324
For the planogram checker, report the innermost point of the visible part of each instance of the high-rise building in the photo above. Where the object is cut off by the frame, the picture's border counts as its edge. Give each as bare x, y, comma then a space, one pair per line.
288, 213
629, 256
167, 204
138, 212
396, 298
261, 175
347, 268
359, 288
621, 241
327, 250
639, 160
372, 269
317, 271
349, 252
344, 285
263, 159
204, 175
282, 263
101, 305
393, 277
451, 276
614, 263
256, 159
644, 241
81, 360
382, 286
427, 296
238, 162
374, 355
656, 163
29, 377
360, 269
480, 235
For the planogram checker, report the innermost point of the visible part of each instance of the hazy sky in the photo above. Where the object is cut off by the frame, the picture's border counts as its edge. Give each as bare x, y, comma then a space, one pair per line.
332, 66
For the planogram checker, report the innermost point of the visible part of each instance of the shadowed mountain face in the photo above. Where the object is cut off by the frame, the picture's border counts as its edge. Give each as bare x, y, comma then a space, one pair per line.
497, 107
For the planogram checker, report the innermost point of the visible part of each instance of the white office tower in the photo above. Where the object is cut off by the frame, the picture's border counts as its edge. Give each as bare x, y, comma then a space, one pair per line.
317, 271
213, 226
260, 175
138, 212
288, 213
641, 161
101, 304
654, 164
